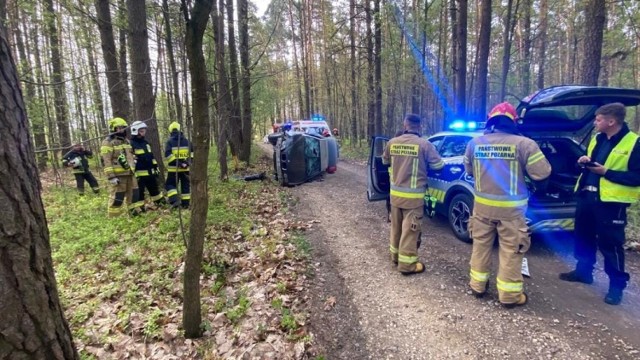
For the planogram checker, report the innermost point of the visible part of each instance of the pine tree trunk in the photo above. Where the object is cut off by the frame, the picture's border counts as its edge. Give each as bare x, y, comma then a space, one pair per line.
60, 94
141, 81
117, 90
295, 61
371, 101
542, 43
592, 52
353, 65
172, 61
122, 58
37, 122
243, 20
461, 60
95, 82
223, 99
484, 44
526, 49
33, 324
234, 119
378, 66
196, 25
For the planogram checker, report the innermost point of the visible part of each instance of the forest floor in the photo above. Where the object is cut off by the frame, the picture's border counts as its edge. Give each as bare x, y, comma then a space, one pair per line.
376, 313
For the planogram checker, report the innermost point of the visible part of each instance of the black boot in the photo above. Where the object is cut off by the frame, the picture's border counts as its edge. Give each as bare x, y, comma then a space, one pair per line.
576, 276
614, 296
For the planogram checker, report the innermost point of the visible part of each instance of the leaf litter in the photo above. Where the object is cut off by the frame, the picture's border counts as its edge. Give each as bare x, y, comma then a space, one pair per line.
253, 288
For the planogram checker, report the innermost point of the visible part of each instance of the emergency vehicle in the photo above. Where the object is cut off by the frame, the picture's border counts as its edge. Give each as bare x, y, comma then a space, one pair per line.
559, 119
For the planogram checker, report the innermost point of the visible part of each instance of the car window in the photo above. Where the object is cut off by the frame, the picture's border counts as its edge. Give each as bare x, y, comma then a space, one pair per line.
436, 141
454, 146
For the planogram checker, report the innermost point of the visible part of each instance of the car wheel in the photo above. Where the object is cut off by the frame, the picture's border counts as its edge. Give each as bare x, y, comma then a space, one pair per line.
460, 209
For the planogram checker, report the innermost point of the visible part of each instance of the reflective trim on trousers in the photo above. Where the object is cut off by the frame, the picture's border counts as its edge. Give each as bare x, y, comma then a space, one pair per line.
393, 249
172, 192
407, 259
479, 276
510, 286
185, 196
157, 197
136, 205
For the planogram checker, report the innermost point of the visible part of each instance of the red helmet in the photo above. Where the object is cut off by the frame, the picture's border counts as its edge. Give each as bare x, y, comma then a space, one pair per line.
503, 109
335, 131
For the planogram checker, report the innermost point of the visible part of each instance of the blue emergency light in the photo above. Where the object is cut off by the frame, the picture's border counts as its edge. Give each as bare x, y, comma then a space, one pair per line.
462, 125
317, 117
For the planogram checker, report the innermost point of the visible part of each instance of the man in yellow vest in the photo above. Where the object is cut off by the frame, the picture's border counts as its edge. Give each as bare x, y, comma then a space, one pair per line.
408, 155
609, 183
499, 160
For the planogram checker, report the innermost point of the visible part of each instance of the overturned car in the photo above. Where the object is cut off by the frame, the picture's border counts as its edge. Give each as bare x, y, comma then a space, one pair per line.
300, 156
559, 119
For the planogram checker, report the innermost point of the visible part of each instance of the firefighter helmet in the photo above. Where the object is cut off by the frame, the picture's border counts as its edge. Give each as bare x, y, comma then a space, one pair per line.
75, 162
335, 132
136, 126
117, 122
174, 126
503, 109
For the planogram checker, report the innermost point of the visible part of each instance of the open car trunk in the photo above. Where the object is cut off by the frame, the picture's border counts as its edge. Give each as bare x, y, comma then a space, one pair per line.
562, 154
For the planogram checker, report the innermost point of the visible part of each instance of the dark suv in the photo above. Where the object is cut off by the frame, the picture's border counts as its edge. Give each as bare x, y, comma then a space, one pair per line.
559, 119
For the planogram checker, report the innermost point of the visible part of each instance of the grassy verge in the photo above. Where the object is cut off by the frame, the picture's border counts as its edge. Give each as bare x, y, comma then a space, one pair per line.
120, 279
354, 151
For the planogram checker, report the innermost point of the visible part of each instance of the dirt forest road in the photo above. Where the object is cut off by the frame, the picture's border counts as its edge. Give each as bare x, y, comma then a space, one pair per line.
380, 314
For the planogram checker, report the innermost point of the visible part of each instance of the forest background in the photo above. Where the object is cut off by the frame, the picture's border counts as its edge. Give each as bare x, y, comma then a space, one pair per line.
227, 74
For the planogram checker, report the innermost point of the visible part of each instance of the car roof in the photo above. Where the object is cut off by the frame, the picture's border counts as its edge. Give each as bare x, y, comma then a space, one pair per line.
475, 133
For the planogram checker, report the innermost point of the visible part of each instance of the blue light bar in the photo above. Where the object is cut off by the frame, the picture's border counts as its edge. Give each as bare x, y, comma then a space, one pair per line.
462, 125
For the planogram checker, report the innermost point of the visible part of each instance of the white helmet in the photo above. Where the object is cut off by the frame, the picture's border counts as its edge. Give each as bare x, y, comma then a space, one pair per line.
75, 162
137, 125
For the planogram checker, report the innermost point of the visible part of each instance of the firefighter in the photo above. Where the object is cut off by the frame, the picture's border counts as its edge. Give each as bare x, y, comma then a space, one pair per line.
76, 158
499, 161
146, 170
609, 183
409, 156
178, 153
117, 158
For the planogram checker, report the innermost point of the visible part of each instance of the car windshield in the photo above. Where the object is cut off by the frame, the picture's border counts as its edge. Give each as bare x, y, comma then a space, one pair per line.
562, 113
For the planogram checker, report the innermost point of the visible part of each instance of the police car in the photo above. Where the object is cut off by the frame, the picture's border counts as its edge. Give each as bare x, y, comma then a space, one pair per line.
559, 119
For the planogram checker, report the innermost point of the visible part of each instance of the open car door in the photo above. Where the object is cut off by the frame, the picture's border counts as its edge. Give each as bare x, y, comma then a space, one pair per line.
378, 185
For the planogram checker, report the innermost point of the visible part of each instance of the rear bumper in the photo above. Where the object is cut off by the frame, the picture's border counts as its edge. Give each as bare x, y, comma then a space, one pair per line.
549, 219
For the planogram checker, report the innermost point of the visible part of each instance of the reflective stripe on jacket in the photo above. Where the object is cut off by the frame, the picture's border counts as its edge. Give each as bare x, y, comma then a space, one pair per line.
114, 148
499, 162
145, 161
178, 151
617, 160
409, 156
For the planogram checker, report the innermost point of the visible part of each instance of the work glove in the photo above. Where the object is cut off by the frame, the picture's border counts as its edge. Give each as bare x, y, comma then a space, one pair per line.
184, 165
114, 181
155, 171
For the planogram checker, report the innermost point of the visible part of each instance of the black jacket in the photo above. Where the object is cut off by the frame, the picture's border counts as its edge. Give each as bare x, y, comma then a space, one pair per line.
145, 161
177, 150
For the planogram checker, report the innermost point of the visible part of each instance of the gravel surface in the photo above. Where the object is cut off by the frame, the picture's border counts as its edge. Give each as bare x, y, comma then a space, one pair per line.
380, 314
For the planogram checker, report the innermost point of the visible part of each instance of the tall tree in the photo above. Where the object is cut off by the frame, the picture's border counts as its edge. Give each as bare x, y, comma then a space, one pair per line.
525, 63
353, 66
243, 20
196, 25
507, 38
33, 324
59, 92
143, 96
595, 15
461, 58
171, 57
295, 60
377, 16
223, 99
122, 55
484, 44
234, 106
542, 42
117, 90
371, 100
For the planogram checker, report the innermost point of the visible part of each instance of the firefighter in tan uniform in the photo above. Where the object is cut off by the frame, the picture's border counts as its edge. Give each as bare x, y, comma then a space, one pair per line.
408, 156
499, 160
117, 158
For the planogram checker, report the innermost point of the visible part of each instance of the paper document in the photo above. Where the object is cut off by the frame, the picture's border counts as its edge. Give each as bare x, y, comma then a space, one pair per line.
525, 267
